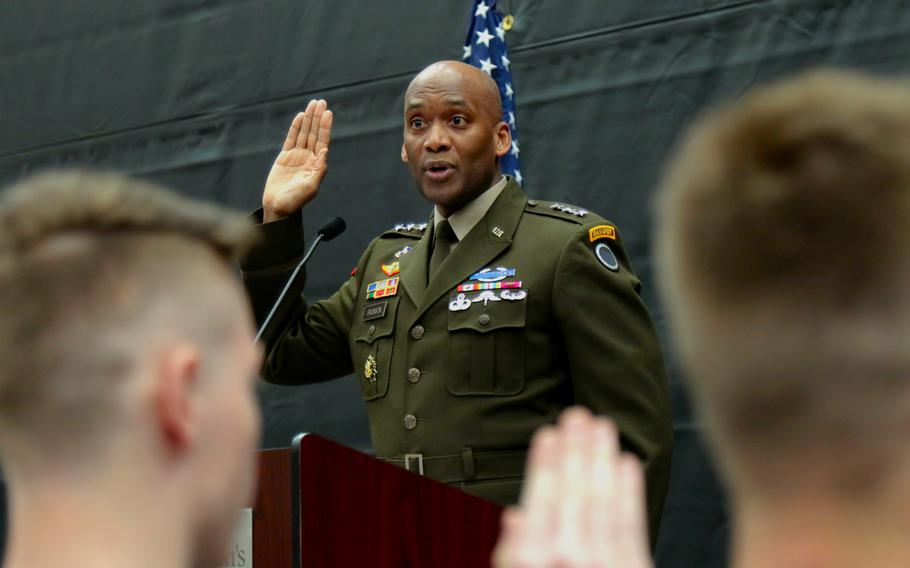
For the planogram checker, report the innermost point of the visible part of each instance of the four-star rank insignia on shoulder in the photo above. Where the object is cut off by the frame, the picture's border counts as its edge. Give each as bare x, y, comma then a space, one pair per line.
577, 211
417, 227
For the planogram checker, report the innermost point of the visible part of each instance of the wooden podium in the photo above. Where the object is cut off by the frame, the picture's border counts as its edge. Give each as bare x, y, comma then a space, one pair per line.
323, 505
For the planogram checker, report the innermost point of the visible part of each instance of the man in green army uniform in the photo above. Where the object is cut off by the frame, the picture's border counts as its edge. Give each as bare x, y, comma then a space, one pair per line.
469, 332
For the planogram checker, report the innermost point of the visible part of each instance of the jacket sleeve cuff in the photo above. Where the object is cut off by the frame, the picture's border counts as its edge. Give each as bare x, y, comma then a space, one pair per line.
279, 242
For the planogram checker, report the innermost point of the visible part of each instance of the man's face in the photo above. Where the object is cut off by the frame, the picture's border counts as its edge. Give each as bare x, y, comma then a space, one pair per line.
451, 139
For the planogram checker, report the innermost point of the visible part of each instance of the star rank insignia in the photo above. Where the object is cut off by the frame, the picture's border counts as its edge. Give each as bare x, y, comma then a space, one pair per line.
418, 227
569, 210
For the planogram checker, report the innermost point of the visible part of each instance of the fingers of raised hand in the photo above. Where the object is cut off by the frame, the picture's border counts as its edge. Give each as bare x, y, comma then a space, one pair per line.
324, 136
313, 133
630, 506
293, 132
307, 123
539, 496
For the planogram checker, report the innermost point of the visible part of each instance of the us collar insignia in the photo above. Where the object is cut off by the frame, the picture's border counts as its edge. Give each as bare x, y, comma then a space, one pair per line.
403, 252
493, 274
391, 269
601, 232
382, 289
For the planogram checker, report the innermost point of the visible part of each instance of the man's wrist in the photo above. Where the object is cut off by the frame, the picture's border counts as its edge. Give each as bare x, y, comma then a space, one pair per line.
270, 214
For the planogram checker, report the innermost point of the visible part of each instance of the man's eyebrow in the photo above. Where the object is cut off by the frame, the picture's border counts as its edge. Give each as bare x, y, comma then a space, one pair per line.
453, 101
456, 101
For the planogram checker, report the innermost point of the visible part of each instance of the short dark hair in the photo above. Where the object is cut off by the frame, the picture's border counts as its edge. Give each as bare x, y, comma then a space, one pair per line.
783, 237
92, 265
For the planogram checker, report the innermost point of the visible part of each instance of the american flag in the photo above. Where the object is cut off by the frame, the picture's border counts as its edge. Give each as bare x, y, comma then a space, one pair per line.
485, 47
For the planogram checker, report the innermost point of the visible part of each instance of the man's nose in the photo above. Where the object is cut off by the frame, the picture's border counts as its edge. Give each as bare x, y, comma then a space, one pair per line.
437, 139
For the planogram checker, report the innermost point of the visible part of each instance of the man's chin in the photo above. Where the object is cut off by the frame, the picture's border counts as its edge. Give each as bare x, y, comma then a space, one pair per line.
441, 195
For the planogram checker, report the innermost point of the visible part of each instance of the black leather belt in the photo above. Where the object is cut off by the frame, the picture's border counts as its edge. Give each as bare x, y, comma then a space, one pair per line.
466, 466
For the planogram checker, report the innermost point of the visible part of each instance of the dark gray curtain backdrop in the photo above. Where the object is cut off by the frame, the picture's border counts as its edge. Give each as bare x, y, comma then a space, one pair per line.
198, 95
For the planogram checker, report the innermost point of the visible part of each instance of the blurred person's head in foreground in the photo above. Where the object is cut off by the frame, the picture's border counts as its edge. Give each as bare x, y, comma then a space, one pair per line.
784, 247
128, 423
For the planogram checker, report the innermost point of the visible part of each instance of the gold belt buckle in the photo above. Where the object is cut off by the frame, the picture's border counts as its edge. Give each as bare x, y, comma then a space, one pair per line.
416, 457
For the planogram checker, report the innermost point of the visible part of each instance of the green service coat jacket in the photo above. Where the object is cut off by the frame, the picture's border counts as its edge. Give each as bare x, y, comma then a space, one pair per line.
465, 381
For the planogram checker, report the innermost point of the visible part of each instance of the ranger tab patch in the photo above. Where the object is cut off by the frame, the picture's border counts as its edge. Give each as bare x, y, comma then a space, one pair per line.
382, 289
602, 232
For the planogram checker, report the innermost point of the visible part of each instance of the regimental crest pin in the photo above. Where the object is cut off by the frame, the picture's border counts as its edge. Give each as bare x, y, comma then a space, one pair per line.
370, 369
391, 269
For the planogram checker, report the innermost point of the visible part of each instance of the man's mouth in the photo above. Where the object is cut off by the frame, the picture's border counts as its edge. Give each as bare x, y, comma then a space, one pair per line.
439, 171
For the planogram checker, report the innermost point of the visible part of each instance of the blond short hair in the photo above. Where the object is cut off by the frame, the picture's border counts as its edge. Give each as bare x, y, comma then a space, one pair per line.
93, 267
783, 238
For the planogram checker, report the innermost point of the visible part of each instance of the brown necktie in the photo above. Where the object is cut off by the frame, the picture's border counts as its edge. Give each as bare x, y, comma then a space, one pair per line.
443, 238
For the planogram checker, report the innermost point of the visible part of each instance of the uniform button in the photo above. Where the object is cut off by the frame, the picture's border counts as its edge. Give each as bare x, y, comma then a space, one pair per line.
413, 375
417, 331
410, 422
372, 330
484, 319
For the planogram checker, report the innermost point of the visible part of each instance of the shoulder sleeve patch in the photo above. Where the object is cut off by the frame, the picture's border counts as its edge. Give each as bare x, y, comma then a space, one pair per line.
605, 255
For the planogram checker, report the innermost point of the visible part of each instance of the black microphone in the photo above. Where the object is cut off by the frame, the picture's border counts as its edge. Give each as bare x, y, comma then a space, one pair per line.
331, 229
327, 232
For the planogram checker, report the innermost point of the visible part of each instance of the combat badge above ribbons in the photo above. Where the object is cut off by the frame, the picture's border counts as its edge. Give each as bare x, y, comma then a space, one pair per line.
601, 232
492, 274
382, 288
605, 255
403, 252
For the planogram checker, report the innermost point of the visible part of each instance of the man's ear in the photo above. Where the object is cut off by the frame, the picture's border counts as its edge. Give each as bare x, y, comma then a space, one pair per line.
175, 397
503, 139
404, 153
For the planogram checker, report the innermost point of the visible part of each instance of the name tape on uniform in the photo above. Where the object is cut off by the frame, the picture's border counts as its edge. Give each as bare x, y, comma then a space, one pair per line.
374, 311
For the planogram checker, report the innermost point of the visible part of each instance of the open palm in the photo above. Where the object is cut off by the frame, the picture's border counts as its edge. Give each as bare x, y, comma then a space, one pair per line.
298, 170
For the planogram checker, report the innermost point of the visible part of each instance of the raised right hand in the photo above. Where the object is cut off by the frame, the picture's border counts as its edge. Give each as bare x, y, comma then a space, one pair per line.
583, 503
298, 170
